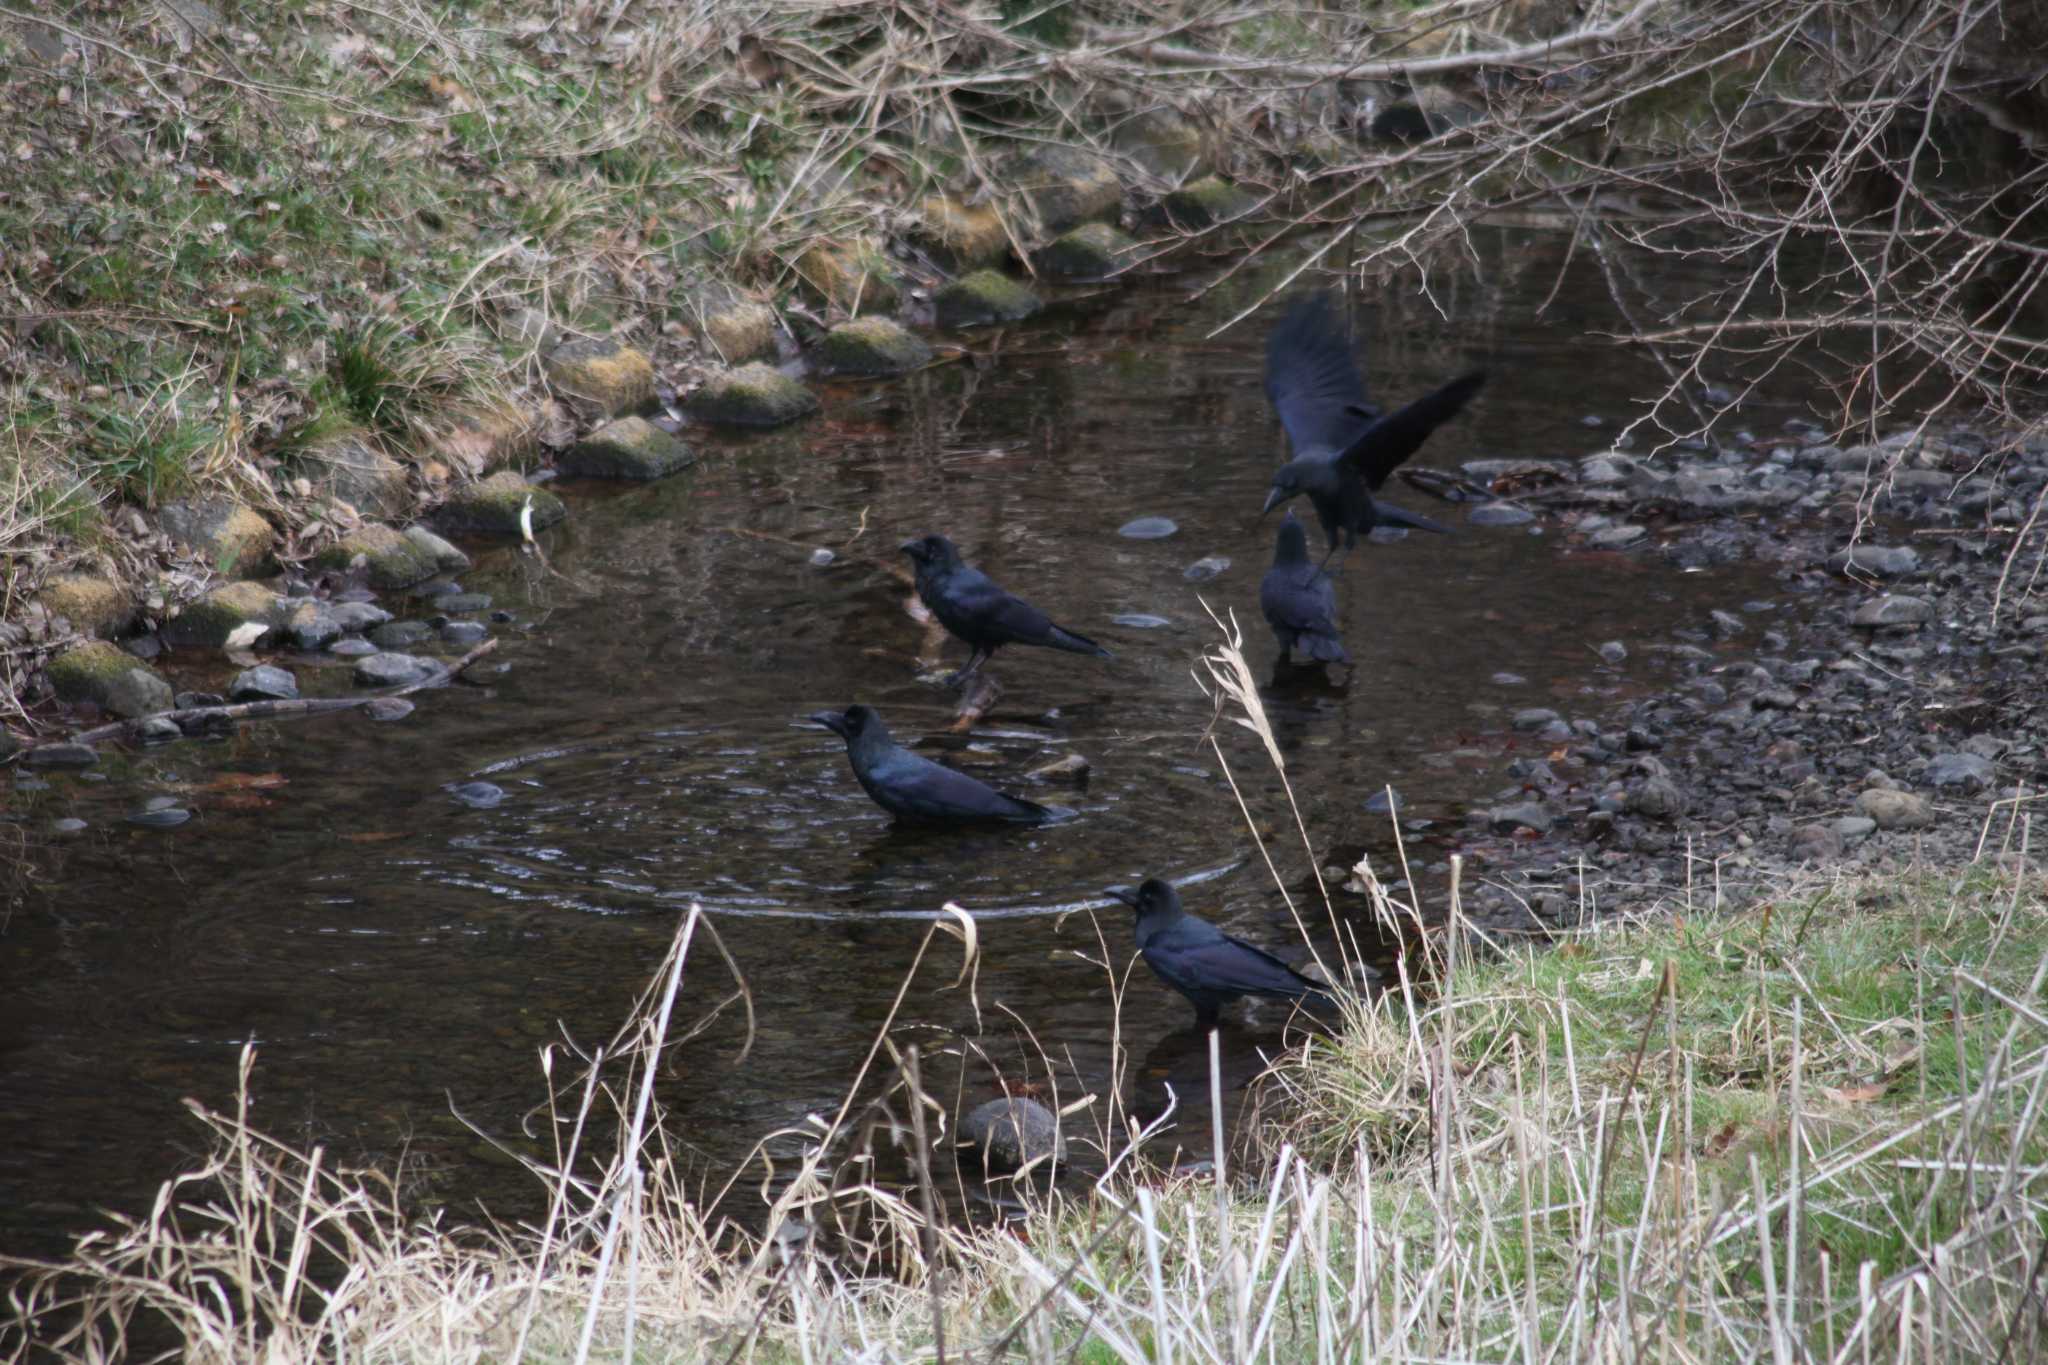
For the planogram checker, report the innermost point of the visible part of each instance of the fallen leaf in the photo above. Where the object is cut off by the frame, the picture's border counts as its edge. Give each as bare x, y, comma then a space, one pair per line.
1856, 1094
1719, 1143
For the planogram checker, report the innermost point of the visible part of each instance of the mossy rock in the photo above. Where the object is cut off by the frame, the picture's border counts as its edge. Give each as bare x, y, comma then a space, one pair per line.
1204, 204
1093, 251
962, 235
854, 277
393, 561
230, 537
873, 346
751, 396
629, 448
209, 622
492, 506
1065, 186
736, 328
1164, 143
348, 467
982, 298
608, 374
446, 557
488, 437
110, 678
92, 604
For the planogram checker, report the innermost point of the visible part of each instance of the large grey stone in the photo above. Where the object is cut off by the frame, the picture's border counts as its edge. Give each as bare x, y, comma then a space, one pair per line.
109, 677
627, 448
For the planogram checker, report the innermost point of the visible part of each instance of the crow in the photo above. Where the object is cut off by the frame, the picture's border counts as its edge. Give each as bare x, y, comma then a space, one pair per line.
1202, 962
915, 789
1299, 600
970, 605
1344, 448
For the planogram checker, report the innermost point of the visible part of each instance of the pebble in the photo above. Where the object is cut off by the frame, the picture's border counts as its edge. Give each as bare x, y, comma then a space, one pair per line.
159, 730
1893, 610
1817, 843
1499, 514
1147, 528
400, 634
1656, 798
1508, 680
1613, 652
457, 602
464, 632
263, 683
1726, 624
1855, 828
1895, 809
1530, 815
394, 670
1381, 803
1202, 570
822, 557
1615, 537
153, 816
1534, 718
355, 617
352, 647
60, 756
1971, 772
1140, 621
477, 795
1883, 561
387, 708
70, 824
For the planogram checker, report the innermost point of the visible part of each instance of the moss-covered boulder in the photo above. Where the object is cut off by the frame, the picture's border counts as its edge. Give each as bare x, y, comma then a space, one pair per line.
492, 506
349, 467
1204, 204
605, 373
1093, 251
873, 346
961, 235
854, 277
628, 448
751, 396
982, 298
92, 604
215, 618
1063, 186
391, 560
446, 557
110, 678
1164, 143
229, 536
731, 326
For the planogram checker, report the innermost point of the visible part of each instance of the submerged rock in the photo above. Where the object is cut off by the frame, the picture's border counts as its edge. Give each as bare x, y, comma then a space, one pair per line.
109, 677
478, 795
608, 374
400, 634
1010, 1133
627, 448
1529, 815
754, 395
61, 755
494, 505
394, 670
1093, 251
387, 708
390, 560
1065, 768
1500, 514
1206, 568
983, 298
873, 346
220, 614
1883, 561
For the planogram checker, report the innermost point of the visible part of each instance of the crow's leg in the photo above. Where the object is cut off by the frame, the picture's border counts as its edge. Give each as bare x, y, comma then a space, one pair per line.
973, 665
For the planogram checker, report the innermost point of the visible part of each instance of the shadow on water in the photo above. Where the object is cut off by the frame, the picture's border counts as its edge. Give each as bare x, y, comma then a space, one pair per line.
394, 951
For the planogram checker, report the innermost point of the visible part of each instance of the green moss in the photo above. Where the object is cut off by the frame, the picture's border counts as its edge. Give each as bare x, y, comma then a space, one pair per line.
752, 396
94, 605
108, 677
494, 506
982, 298
873, 346
391, 559
629, 448
1093, 251
1205, 203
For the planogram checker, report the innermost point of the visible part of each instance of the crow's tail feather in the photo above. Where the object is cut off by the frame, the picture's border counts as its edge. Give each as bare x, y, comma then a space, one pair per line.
1062, 638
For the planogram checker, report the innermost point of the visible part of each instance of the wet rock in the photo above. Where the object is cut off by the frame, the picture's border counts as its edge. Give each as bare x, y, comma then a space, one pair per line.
109, 677
456, 603
1615, 537
70, 824
961, 235
736, 328
754, 395
1816, 843
394, 670
1204, 569
1966, 771
478, 795
1205, 203
387, 708
1011, 1133
357, 616
349, 467
983, 298
1064, 185
627, 448
873, 346
159, 730
92, 604
1893, 610
445, 556
605, 373
1094, 251
1854, 829
1147, 528
1164, 143
1529, 815
822, 558
1140, 621
310, 625
1880, 561
856, 277
390, 561
1613, 652
159, 817
230, 537
1727, 625
1534, 718
1895, 809
351, 647
263, 683
1499, 514
1065, 768
494, 505
211, 621
1656, 798
400, 634
464, 633
1385, 801
61, 755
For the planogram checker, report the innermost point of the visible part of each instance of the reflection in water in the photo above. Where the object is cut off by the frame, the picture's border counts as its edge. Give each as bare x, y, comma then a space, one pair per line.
391, 950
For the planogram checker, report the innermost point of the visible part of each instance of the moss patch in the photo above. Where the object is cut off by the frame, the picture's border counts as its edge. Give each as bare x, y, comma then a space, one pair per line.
492, 506
982, 298
94, 605
1064, 186
752, 396
731, 327
855, 277
629, 448
109, 677
1205, 204
608, 374
873, 346
391, 559
962, 235
1093, 251
207, 623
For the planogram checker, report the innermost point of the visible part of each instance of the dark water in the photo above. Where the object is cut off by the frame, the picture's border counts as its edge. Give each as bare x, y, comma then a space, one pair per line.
393, 952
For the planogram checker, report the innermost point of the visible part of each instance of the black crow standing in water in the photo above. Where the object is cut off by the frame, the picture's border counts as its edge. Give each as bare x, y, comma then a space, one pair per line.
1299, 600
913, 788
1344, 448
1202, 962
970, 605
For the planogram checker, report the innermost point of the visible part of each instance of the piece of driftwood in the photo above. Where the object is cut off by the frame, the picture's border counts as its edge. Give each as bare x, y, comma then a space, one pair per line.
976, 702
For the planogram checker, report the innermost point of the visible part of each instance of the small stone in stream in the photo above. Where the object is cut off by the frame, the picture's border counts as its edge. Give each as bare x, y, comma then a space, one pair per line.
1855, 828
357, 616
1970, 772
503, 618
1508, 680
1895, 809
1592, 420
1204, 569
1066, 768
1816, 843
458, 602
628, 448
311, 626
400, 634
1883, 561
1613, 652
1615, 537
1092, 251
187, 701
388, 708
212, 620
822, 558
394, 670
477, 795
263, 683
1382, 803
464, 633
1893, 610
1137, 620
70, 824
159, 730
143, 647
1530, 815
1499, 514
1205, 203
1534, 718
1656, 798
159, 817
1147, 528
1726, 624
442, 587
445, 556
1009, 1133
352, 647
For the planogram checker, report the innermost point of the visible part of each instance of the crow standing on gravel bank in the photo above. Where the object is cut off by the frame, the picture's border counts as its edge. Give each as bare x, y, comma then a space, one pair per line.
1344, 449
970, 605
1202, 962
913, 788
1299, 600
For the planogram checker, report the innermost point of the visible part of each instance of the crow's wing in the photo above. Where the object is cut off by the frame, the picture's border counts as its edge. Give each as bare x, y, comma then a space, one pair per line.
912, 785
976, 597
1194, 954
1311, 380
1380, 449
1298, 598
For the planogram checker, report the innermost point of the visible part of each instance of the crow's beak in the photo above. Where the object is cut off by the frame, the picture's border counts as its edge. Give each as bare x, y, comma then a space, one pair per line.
1127, 894
835, 721
912, 548
1274, 497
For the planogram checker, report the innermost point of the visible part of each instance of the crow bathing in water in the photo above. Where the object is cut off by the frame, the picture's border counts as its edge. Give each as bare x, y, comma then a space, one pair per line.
913, 788
1299, 600
1202, 962
1344, 449
970, 605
